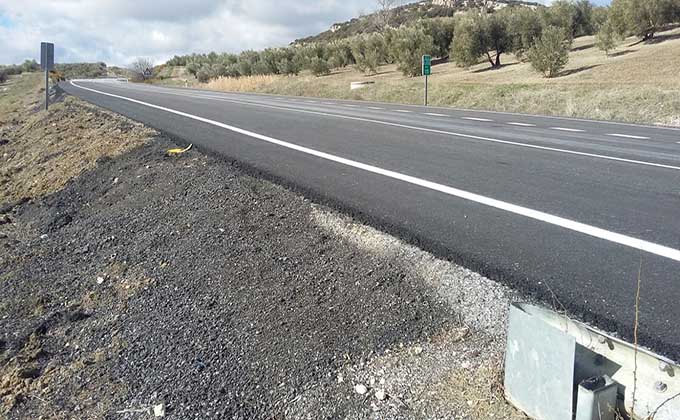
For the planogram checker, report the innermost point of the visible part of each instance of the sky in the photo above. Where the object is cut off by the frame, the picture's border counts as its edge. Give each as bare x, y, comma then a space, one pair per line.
117, 31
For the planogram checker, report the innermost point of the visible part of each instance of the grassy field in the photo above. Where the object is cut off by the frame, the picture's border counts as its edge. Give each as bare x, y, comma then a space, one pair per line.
637, 83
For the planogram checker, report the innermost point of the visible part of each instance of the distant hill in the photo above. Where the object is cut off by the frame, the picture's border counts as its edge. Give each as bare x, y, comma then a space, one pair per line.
406, 14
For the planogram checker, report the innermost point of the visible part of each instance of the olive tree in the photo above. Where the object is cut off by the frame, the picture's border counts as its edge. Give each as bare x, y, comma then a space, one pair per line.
481, 35
408, 47
642, 18
550, 53
607, 37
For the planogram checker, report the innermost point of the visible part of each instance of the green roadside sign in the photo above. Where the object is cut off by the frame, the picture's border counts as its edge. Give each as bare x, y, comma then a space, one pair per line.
427, 65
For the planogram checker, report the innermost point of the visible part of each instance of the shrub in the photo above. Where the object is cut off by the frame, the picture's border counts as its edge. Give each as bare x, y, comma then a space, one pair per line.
550, 53
319, 66
3, 76
408, 48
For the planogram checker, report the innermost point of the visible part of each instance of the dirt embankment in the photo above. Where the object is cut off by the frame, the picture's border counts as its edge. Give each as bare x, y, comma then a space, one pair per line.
132, 281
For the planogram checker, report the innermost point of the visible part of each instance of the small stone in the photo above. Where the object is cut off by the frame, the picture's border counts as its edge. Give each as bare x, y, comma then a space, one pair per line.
340, 379
115, 180
43, 236
100, 280
382, 381
360, 389
417, 350
380, 395
159, 410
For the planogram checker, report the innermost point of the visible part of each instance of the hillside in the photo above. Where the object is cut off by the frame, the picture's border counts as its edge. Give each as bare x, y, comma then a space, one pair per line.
591, 86
404, 14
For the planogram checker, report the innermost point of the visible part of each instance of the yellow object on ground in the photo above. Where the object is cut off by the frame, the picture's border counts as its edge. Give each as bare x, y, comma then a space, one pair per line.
173, 152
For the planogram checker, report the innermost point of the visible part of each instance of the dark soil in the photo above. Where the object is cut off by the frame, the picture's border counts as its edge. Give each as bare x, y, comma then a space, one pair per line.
186, 282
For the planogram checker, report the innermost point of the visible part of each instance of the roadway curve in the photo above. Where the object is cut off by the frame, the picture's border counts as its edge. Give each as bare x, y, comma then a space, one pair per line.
563, 209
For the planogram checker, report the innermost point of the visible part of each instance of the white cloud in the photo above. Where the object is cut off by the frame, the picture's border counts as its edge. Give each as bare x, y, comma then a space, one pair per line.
117, 31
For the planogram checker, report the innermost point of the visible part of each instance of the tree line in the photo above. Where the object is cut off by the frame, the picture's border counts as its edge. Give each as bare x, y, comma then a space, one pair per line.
541, 36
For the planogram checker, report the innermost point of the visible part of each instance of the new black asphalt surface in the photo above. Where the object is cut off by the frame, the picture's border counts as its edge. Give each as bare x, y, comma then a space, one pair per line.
622, 178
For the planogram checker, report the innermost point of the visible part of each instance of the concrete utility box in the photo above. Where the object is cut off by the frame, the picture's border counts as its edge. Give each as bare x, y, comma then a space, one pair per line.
560, 369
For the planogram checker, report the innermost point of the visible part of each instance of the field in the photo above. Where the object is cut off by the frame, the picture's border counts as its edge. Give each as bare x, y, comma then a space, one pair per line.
637, 83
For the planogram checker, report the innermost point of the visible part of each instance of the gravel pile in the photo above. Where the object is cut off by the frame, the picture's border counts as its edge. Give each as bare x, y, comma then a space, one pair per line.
184, 285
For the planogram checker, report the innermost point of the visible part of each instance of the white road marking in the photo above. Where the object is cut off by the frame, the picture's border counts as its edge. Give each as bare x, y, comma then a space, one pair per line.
650, 247
327, 103
522, 124
402, 110
375, 107
434, 114
311, 102
628, 136
477, 119
435, 131
572, 130
352, 106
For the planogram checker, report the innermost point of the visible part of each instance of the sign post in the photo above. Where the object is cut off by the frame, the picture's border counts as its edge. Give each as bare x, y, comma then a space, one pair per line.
427, 70
47, 64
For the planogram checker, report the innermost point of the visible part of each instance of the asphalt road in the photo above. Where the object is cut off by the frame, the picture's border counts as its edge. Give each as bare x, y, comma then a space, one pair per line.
564, 209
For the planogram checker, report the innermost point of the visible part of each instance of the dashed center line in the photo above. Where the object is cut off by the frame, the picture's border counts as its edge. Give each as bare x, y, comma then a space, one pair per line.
628, 136
434, 114
328, 103
477, 119
375, 107
311, 102
351, 106
402, 110
522, 124
573, 130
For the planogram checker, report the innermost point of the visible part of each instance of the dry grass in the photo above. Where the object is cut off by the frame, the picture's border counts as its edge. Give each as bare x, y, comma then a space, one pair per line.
44, 150
246, 84
638, 83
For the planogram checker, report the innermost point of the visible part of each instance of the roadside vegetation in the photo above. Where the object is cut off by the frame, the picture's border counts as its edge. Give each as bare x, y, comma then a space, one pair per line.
571, 58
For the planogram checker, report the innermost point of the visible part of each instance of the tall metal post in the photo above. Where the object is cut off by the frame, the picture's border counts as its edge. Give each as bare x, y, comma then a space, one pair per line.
47, 89
425, 90
47, 64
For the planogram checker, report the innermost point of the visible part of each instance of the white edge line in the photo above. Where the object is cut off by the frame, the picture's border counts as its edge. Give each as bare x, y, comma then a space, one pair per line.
593, 231
628, 136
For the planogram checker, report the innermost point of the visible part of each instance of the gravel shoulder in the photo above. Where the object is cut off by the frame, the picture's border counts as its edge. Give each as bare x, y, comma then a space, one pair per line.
132, 282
